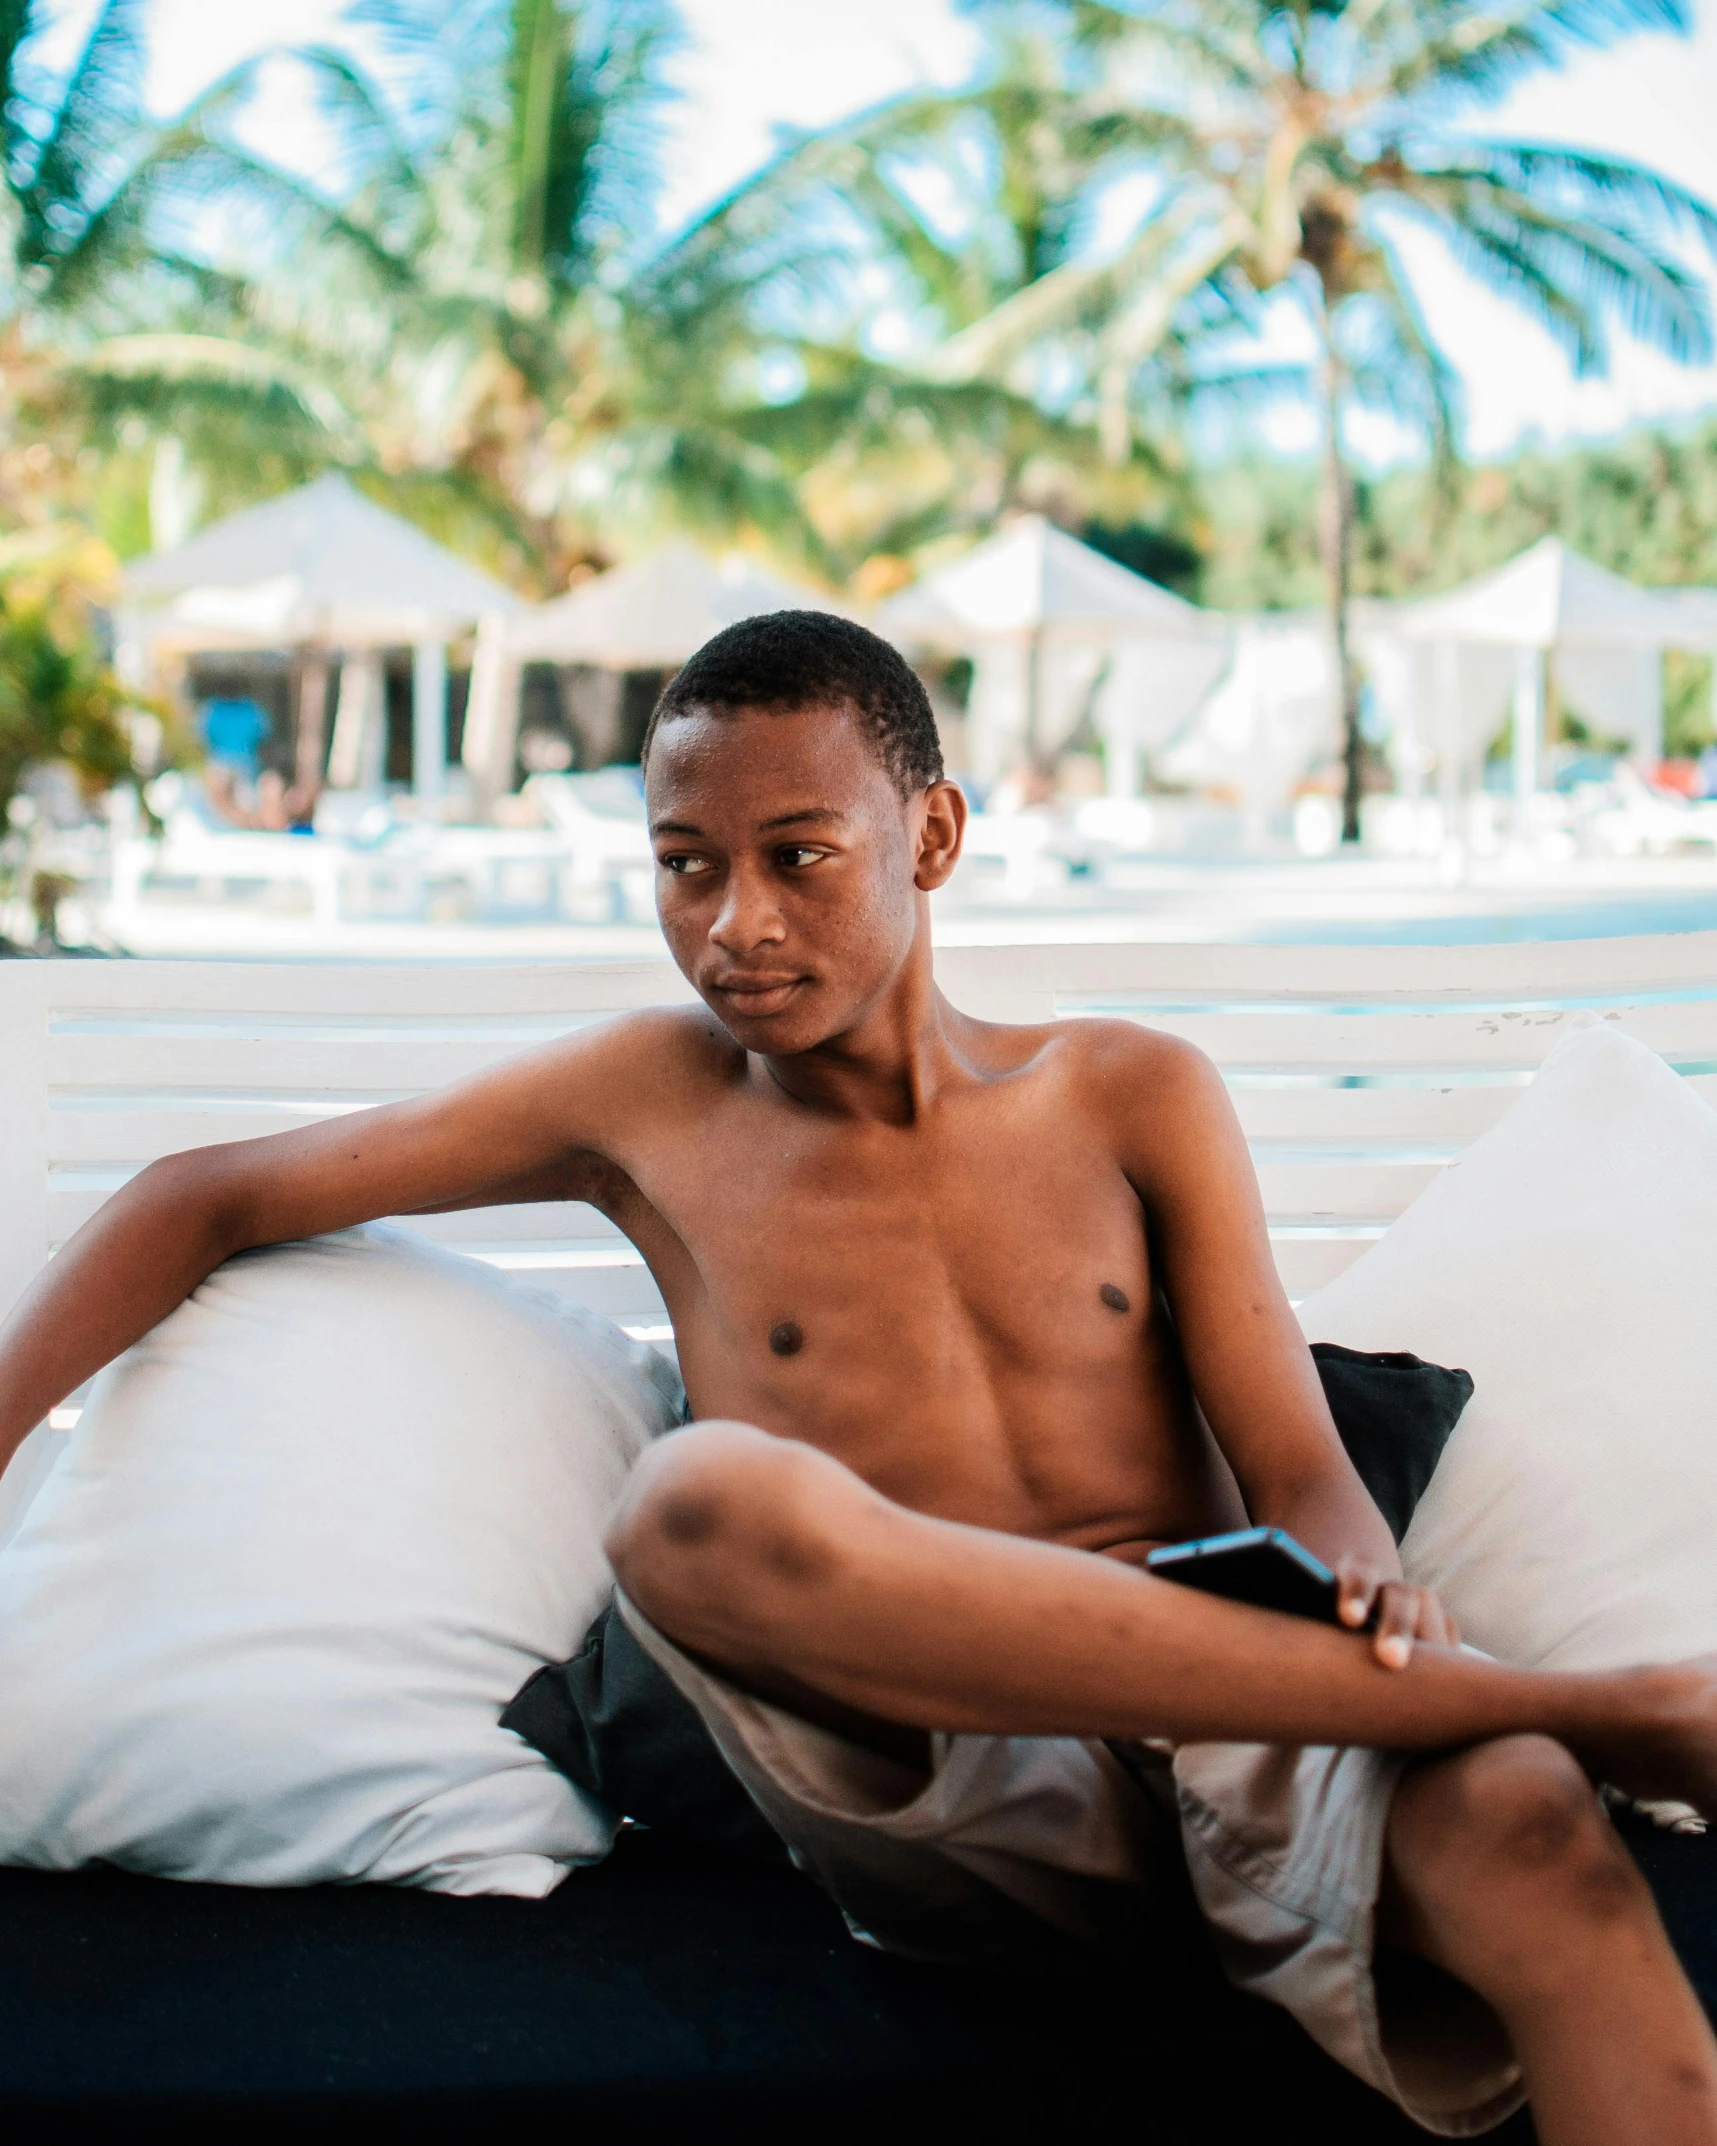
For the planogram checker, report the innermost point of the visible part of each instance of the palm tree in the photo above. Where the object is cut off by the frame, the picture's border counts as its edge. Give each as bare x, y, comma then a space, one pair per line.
96, 199
478, 317
481, 319
1295, 144
1017, 161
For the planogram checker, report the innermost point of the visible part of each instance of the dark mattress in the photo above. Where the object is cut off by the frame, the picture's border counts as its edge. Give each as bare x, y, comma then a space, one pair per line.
665, 1994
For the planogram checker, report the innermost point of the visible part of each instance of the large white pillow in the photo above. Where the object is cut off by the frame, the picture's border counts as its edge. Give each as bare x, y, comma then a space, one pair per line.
308, 1539
1567, 1260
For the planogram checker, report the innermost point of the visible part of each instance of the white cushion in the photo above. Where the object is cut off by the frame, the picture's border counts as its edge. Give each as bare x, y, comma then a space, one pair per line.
1567, 1261
308, 1539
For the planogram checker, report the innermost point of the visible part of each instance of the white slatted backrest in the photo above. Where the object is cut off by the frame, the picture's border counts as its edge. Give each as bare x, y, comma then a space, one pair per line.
1358, 1071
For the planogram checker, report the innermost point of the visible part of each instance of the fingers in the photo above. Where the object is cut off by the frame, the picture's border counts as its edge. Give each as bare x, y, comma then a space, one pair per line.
1356, 1592
1397, 1625
1399, 1615
1435, 1623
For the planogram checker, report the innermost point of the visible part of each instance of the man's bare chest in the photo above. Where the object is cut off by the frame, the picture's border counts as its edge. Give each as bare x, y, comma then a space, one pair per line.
834, 1241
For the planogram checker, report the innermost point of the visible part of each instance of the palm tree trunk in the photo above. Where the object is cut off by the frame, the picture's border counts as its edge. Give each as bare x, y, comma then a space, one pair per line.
1335, 550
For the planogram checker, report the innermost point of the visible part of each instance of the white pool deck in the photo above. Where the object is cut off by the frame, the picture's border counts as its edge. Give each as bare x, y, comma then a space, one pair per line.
1334, 900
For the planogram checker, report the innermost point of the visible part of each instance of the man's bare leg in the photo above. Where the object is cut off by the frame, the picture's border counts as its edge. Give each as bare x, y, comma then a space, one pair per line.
775, 1562
1504, 1869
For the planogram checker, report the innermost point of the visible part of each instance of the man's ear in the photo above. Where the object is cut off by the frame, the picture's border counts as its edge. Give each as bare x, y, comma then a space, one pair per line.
940, 833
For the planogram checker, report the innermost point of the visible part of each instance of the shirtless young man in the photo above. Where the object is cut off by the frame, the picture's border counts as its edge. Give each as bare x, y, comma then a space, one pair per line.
951, 1288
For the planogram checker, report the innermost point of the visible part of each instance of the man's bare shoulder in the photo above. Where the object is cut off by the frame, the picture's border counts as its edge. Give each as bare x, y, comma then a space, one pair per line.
1124, 1061
656, 1056
1151, 1095
1112, 1060
1129, 1086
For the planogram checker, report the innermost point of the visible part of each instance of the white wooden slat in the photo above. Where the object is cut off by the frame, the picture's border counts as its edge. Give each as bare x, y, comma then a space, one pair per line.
1381, 1117
1359, 1191
25, 1225
1528, 969
1525, 970
285, 1063
362, 990
1452, 1040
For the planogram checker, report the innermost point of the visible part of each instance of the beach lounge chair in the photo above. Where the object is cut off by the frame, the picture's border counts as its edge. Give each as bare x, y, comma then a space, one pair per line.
665, 1991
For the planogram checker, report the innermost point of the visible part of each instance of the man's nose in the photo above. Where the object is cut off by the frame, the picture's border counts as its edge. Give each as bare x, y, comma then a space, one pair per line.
749, 915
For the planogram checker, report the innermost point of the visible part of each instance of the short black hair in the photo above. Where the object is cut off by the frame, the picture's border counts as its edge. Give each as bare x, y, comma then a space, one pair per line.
813, 659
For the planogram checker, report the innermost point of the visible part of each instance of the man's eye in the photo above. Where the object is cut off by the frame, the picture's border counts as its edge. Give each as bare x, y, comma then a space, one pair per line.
685, 865
796, 856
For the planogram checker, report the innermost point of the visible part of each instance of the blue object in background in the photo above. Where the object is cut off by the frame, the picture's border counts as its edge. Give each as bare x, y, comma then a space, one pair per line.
232, 731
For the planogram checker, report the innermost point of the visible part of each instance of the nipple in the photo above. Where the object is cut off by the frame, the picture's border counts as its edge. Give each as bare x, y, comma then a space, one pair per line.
786, 1339
1116, 1299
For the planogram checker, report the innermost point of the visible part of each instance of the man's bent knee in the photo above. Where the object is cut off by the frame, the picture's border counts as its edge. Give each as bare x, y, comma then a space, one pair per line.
1472, 1834
719, 1527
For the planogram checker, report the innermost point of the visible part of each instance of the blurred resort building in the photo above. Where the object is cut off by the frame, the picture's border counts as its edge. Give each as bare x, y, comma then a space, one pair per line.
393, 739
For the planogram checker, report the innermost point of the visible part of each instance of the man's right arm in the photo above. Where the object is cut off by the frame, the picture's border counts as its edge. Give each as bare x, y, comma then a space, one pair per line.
515, 1132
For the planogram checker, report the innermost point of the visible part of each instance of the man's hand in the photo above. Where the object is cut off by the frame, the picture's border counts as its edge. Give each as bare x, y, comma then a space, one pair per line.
1404, 1613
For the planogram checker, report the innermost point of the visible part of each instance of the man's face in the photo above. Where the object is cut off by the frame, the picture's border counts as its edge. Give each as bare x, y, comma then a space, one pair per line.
788, 869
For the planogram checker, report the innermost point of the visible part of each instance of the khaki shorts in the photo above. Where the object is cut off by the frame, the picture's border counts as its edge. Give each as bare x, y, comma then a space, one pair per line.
1044, 1852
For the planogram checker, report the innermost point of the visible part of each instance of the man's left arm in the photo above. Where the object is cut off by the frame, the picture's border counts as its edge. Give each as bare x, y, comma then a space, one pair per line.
1250, 1368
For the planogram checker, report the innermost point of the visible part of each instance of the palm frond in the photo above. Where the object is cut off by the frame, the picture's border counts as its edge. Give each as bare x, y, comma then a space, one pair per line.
1581, 181
1188, 224
360, 119
1475, 53
16, 25
1418, 365
91, 137
1212, 40
1596, 271
213, 168
166, 367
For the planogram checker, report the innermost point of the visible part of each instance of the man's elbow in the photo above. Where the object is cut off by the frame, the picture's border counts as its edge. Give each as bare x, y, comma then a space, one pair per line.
208, 1199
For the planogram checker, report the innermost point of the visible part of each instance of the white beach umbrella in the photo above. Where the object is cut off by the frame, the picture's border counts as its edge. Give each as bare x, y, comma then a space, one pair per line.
654, 613
1547, 597
1450, 682
1057, 632
322, 564
321, 569
1034, 578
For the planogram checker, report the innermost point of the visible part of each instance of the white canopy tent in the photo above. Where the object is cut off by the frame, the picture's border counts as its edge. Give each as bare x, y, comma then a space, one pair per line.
1448, 669
1696, 610
655, 612
324, 569
649, 615
1060, 634
1273, 716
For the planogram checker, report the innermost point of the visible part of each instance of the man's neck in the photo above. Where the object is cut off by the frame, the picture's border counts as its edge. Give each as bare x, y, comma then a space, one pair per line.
893, 1063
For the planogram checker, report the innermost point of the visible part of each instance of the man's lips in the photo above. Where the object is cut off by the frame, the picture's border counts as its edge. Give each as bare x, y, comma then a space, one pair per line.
756, 994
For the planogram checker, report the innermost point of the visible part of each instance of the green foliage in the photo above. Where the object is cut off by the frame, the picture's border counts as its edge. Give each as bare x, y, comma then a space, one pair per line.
474, 313
1159, 554
57, 703
1292, 149
1644, 505
1687, 726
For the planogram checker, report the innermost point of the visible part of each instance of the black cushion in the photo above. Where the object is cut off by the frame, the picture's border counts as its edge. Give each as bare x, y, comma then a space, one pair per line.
1394, 1413
663, 1995
616, 1724
613, 1722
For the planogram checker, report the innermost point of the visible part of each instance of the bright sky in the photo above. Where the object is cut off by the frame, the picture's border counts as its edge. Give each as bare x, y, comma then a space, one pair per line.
755, 65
